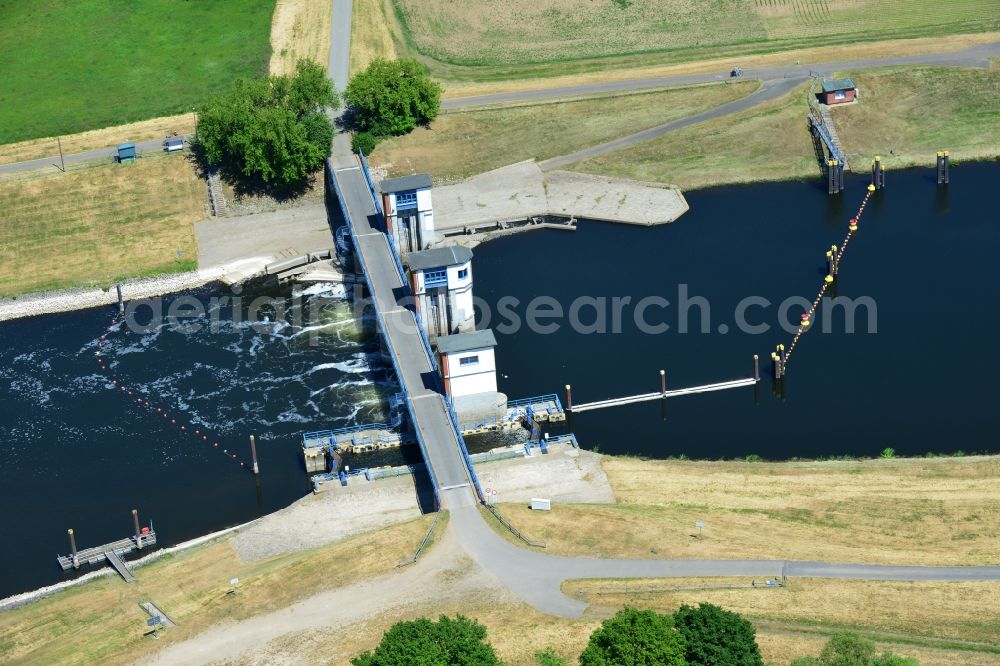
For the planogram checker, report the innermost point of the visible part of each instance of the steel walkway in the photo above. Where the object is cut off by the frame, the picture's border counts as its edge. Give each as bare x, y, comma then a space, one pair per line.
454, 482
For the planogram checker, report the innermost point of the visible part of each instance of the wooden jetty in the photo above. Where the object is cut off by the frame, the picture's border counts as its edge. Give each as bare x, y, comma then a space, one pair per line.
110, 552
660, 395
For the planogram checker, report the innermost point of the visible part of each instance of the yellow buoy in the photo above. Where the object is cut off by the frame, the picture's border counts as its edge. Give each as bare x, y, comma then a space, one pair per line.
871, 188
828, 278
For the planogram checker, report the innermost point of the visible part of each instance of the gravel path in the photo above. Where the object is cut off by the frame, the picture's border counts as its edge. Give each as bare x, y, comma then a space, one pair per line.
564, 475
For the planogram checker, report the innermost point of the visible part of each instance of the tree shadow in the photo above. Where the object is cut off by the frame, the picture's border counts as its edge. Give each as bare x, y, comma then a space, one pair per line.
249, 186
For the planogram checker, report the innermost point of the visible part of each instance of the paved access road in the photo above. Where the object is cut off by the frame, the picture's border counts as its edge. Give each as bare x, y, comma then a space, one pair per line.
419, 379
537, 578
978, 56
340, 60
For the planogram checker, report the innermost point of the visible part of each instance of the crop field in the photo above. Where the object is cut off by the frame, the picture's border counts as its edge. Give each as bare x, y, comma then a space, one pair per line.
485, 33
75, 65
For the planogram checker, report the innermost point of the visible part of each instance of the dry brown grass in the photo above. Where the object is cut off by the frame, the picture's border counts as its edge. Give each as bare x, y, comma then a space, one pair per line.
300, 30
372, 26
767, 142
145, 130
930, 609
792, 622
907, 114
88, 227
519, 32
102, 622
462, 143
922, 511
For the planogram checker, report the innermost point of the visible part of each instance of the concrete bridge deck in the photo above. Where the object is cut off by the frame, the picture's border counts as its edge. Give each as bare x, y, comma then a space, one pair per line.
419, 378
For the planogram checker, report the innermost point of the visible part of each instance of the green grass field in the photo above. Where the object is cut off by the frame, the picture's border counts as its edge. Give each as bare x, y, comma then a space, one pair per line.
518, 32
73, 65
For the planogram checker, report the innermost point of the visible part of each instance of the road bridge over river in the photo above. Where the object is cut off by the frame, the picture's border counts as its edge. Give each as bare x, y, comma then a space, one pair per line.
534, 576
431, 415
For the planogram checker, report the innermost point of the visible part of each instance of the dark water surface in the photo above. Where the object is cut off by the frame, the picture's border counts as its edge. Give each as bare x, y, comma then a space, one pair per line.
75, 453
926, 381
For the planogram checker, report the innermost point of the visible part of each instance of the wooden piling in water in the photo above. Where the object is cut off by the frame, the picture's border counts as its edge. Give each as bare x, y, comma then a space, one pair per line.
569, 397
756, 368
663, 381
72, 547
942, 167
878, 176
121, 299
253, 454
138, 532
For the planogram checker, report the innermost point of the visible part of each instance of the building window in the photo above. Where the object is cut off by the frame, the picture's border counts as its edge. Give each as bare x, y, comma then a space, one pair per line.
469, 360
464, 273
840, 94
406, 200
435, 278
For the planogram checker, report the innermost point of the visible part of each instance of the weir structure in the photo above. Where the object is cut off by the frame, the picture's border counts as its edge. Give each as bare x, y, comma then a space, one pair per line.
431, 413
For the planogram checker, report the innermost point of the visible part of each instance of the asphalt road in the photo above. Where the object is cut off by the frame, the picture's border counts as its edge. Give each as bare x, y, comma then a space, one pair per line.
537, 578
339, 62
974, 57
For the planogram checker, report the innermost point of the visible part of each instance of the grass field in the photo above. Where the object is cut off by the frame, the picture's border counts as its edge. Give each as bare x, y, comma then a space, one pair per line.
905, 115
101, 622
908, 511
483, 33
462, 143
98, 223
792, 622
922, 612
71, 66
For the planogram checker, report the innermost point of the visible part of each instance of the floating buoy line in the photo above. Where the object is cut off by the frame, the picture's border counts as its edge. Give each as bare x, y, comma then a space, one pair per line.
780, 357
182, 426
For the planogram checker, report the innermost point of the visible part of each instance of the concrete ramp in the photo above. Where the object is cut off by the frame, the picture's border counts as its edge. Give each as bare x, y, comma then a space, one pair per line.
522, 191
119, 565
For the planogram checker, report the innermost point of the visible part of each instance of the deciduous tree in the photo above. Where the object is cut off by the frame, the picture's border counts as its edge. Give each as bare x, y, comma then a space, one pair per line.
635, 638
423, 642
717, 637
391, 97
273, 130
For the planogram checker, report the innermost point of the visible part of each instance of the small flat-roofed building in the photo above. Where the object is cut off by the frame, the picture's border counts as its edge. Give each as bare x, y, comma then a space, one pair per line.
468, 365
126, 153
409, 213
838, 91
441, 281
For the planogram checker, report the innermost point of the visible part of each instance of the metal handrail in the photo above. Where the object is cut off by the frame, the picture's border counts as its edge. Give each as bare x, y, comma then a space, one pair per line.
513, 530
371, 183
424, 542
382, 327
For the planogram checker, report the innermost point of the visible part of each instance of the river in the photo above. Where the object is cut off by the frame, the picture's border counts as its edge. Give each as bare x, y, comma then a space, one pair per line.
924, 382
77, 452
